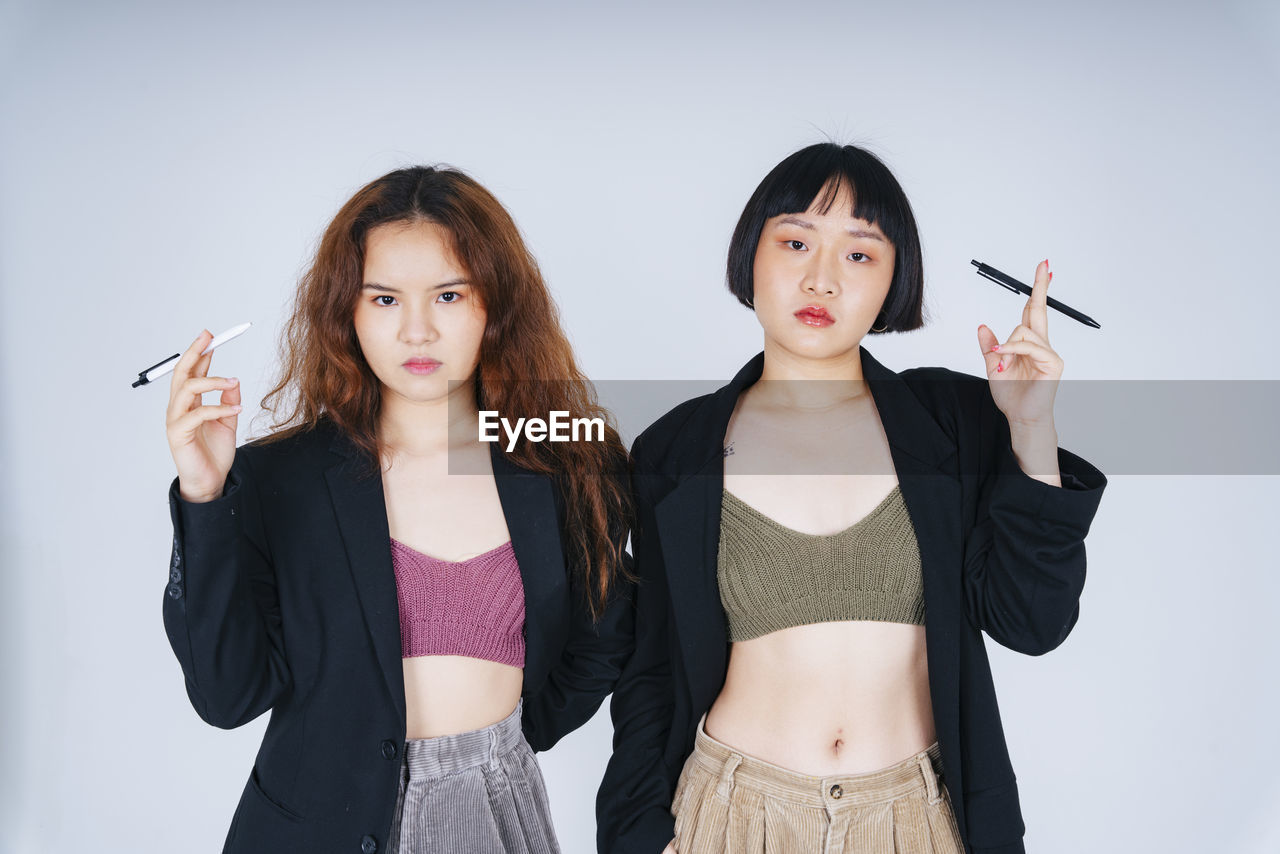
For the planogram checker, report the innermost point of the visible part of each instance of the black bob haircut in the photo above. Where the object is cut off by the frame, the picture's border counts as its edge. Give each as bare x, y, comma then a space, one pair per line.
794, 186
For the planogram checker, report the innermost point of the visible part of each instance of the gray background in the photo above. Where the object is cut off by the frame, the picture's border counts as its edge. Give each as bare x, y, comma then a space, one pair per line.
165, 167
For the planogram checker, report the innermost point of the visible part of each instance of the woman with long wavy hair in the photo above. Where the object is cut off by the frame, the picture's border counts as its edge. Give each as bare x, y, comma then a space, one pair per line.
419, 609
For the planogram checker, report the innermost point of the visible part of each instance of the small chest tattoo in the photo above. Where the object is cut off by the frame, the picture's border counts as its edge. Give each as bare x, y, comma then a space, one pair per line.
728, 449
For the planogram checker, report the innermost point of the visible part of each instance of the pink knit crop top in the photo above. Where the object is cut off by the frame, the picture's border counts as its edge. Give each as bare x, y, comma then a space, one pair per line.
473, 607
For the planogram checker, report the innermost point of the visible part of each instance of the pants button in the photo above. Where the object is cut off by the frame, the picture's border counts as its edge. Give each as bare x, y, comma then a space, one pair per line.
836, 791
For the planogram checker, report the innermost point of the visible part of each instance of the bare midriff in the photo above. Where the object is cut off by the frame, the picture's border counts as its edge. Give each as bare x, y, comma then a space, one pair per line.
449, 694
830, 698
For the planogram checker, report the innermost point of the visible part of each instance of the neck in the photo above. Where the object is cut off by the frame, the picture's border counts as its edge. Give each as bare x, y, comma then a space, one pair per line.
808, 383
424, 428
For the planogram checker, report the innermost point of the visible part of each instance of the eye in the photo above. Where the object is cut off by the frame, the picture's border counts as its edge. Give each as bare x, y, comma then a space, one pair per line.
858, 256
456, 296
797, 245
378, 300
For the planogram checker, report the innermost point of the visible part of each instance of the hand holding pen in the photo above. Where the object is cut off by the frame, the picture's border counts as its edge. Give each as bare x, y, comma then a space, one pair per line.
1025, 355
202, 438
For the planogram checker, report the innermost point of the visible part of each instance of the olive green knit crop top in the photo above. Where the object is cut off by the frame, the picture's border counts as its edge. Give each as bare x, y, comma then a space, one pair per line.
773, 577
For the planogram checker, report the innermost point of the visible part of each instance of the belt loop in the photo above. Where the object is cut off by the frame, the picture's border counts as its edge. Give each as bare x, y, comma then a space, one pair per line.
493, 745
725, 785
930, 779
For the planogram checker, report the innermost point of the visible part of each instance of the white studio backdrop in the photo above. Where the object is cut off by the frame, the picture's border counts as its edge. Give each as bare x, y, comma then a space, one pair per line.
166, 167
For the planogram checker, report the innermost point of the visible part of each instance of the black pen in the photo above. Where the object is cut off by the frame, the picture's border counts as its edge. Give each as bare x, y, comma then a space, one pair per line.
1006, 281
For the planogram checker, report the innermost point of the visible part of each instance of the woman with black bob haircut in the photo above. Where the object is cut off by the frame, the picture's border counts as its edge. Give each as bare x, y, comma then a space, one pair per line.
418, 610
820, 545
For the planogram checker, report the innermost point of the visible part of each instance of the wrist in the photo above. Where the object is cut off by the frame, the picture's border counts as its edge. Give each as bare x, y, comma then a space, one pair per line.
192, 496
1034, 432
1035, 448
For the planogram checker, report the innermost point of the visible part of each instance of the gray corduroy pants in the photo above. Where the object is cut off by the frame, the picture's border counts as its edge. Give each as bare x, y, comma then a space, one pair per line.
479, 792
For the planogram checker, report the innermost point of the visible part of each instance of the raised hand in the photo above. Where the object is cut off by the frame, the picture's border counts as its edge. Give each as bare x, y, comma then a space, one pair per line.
202, 438
1025, 355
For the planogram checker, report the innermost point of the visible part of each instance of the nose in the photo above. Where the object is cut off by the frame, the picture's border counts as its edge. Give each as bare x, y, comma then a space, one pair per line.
822, 275
417, 326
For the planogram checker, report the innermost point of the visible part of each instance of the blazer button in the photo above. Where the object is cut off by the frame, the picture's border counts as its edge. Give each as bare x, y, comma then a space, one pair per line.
175, 575
368, 845
389, 749
175, 592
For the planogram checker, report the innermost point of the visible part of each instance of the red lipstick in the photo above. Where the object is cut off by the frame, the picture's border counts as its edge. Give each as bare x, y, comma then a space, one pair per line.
814, 315
421, 365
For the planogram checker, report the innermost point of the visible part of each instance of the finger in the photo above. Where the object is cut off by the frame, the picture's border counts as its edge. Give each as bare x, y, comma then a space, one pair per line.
186, 426
1036, 313
1044, 357
986, 340
182, 370
200, 370
201, 367
194, 387
1026, 333
232, 395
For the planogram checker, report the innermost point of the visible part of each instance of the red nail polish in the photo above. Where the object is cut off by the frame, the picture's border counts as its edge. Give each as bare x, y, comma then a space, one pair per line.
995, 346
1000, 367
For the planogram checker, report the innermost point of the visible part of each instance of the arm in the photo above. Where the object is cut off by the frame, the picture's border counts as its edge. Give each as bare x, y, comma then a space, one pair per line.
594, 651
1024, 561
221, 609
633, 806
588, 669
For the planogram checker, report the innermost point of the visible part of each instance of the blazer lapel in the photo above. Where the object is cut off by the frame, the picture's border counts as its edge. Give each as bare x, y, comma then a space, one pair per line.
689, 530
926, 461
528, 503
361, 511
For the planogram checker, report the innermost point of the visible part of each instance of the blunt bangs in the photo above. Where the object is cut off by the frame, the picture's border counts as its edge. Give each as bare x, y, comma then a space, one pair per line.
811, 179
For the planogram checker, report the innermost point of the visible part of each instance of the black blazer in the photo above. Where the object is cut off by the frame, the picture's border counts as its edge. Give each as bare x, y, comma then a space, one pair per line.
282, 596
1001, 552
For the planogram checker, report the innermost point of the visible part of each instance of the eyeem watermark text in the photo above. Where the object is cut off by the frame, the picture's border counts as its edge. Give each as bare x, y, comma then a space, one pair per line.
560, 428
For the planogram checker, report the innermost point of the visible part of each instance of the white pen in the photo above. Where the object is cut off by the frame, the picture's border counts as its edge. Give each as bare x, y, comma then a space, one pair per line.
161, 368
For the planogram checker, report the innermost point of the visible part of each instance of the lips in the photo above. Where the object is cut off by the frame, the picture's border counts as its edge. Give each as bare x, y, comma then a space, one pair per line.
421, 365
814, 315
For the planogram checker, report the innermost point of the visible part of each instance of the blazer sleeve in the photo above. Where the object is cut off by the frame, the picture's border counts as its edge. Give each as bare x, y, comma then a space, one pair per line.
633, 805
590, 665
221, 606
1024, 560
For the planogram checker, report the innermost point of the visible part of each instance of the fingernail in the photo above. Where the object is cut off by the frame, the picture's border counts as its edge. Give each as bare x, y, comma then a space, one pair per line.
1000, 367
1051, 276
995, 346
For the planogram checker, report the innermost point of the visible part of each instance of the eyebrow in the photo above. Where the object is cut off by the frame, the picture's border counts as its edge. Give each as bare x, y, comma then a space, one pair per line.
856, 232
452, 283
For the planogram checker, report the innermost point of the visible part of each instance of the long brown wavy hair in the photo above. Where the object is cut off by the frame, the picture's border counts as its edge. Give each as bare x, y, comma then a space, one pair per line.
526, 367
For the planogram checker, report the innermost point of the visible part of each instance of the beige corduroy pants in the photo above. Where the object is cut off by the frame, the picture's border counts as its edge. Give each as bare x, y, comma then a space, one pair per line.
729, 803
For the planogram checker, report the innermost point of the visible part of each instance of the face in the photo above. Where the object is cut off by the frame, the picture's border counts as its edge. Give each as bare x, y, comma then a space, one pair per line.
820, 279
418, 320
